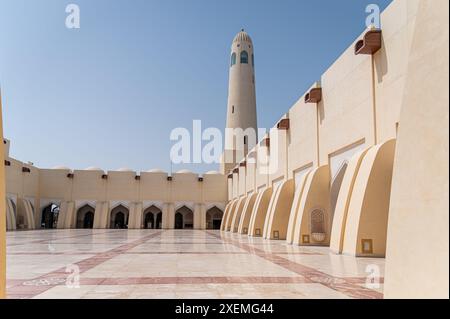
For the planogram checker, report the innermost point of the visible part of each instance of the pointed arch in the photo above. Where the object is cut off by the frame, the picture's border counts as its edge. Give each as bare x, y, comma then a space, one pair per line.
259, 212
214, 216
367, 219
152, 217
234, 220
233, 59
85, 217
315, 197
184, 218
119, 217
11, 212
244, 57
336, 184
247, 214
49, 216
278, 218
226, 215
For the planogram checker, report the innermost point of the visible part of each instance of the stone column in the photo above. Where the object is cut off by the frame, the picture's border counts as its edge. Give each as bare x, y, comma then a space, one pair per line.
197, 216
70, 215
168, 220
138, 215
101, 215
135, 217
98, 214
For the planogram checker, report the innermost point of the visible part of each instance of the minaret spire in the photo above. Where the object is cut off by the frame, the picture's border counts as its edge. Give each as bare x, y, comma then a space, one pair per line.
241, 109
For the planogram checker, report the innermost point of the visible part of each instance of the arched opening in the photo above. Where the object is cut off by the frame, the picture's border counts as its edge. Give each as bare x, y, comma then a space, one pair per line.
178, 221
335, 188
49, 219
318, 230
367, 218
85, 217
11, 213
315, 203
25, 214
152, 218
279, 211
184, 218
119, 220
214, 218
228, 215
119, 217
235, 218
233, 59
247, 214
259, 212
88, 220
244, 57
149, 222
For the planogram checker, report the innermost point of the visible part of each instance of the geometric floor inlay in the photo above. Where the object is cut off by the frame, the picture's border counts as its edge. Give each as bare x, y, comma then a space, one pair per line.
180, 264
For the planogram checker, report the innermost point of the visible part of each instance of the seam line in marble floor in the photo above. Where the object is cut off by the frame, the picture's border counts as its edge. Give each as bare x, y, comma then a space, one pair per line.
29, 288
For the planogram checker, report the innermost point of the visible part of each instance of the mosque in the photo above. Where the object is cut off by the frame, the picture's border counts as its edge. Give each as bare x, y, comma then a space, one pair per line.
361, 163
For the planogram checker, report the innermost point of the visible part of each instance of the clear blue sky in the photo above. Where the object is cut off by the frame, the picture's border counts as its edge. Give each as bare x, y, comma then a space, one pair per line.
109, 94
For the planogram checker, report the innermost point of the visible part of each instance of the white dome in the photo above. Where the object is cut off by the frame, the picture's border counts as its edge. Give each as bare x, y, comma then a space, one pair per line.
155, 170
184, 171
61, 167
242, 37
125, 169
212, 173
92, 168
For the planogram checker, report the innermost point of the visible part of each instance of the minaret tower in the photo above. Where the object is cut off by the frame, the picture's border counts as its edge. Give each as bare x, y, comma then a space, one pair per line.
241, 110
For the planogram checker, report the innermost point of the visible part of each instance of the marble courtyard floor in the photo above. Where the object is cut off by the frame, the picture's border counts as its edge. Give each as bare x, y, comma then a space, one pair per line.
179, 264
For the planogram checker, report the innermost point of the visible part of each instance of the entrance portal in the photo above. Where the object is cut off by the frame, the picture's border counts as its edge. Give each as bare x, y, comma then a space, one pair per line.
184, 218
119, 217
49, 218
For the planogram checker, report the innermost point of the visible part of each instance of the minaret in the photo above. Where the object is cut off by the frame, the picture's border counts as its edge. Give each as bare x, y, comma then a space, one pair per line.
241, 110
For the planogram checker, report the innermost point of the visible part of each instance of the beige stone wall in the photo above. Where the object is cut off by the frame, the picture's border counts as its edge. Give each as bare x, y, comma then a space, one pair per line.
417, 260
359, 109
103, 190
302, 136
367, 102
390, 65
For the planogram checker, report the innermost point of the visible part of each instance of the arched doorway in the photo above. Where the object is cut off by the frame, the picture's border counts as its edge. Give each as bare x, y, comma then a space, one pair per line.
214, 218
119, 217
49, 218
88, 220
179, 221
85, 217
184, 218
149, 222
335, 188
152, 218
119, 220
